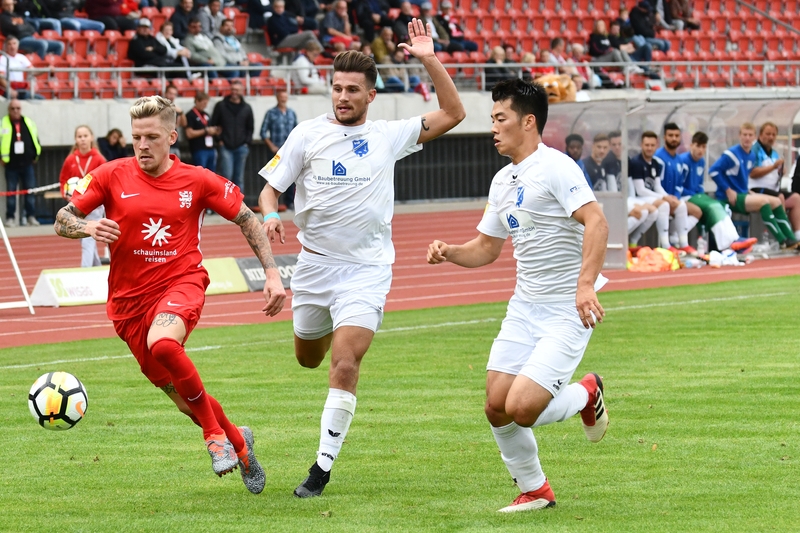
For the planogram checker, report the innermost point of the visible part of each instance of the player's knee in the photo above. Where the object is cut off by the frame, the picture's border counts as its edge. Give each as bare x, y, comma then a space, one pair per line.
309, 360
522, 415
164, 349
495, 414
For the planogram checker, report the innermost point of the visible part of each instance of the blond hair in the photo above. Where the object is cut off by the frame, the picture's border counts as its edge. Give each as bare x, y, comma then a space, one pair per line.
75, 146
747, 126
151, 106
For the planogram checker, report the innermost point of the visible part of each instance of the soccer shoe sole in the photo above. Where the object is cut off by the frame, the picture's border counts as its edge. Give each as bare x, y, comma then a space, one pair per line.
596, 432
541, 503
253, 478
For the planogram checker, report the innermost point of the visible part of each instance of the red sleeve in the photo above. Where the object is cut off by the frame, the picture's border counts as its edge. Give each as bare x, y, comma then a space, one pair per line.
65, 175
90, 192
221, 195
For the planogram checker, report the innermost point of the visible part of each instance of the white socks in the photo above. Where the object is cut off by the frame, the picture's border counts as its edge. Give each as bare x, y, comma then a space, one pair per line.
725, 233
662, 225
521, 455
679, 224
336, 417
568, 403
797, 235
649, 220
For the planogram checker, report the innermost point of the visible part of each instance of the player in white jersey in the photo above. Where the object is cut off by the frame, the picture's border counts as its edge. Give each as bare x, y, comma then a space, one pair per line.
343, 165
560, 234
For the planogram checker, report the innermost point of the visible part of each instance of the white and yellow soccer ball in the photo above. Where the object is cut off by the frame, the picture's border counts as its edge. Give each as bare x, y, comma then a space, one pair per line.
69, 187
58, 400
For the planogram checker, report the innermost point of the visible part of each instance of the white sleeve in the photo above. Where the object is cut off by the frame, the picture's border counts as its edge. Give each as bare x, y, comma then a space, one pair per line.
658, 188
570, 188
490, 224
284, 169
403, 135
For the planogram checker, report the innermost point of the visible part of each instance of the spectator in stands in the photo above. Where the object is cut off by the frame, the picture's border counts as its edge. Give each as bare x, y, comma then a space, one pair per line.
204, 53
336, 30
232, 51
683, 15
145, 50
211, 18
284, 30
691, 166
454, 31
394, 76
731, 173
113, 145
19, 150
383, 46
671, 181
60, 13
369, 14
441, 39
12, 24
201, 134
305, 12
181, 18
278, 123
644, 27
500, 73
306, 76
37, 15
594, 167
582, 72
235, 117
663, 17
171, 93
12, 80
256, 10
535, 69
647, 171
622, 39
601, 51
400, 26
109, 12
574, 143
177, 54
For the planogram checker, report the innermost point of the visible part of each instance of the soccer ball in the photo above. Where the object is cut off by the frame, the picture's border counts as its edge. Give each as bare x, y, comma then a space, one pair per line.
58, 400
69, 187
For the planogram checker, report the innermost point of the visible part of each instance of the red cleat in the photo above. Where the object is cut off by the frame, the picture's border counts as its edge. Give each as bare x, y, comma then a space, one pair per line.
540, 498
743, 244
594, 415
688, 250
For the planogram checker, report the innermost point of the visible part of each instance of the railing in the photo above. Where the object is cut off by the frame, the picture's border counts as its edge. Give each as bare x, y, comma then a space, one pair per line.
466, 75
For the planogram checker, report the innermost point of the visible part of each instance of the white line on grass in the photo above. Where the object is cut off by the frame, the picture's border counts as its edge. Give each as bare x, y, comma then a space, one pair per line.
701, 301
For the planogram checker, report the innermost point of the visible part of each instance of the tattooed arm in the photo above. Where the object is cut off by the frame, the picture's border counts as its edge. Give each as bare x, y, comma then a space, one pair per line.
256, 236
71, 223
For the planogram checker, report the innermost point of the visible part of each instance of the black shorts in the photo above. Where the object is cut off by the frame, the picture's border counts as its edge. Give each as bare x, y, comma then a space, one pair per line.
768, 192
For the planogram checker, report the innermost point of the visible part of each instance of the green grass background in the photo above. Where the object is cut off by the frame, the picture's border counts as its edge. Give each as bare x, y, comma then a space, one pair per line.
701, 387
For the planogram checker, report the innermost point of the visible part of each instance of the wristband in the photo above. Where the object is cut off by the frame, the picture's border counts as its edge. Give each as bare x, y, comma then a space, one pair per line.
271, 215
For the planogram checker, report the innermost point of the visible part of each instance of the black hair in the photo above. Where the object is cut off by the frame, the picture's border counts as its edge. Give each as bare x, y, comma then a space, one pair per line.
573, 137
671, 126
527, 98
700, 138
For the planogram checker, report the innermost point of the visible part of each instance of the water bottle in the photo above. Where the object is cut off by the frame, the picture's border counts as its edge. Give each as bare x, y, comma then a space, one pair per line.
702, 247
693, 262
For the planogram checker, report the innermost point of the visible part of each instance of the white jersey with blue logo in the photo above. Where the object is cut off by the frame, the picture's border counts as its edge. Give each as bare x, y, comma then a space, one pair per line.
344, 201
534, 202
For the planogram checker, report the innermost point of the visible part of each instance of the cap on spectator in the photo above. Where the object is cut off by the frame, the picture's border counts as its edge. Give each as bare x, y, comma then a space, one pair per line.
446, 3
644, 5
145, 22
426, 6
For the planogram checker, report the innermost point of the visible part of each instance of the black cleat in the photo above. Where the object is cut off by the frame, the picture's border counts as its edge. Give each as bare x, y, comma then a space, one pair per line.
790, 244
314, 484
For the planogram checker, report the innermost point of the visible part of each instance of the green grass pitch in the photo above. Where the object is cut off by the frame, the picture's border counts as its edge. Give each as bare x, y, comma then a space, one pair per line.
701, 387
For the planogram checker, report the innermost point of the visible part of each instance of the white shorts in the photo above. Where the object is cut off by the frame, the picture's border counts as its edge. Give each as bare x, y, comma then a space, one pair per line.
543, 342
329, 293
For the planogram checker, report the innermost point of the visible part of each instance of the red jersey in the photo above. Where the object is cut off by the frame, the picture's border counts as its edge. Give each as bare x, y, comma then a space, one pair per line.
77, 165
159, 221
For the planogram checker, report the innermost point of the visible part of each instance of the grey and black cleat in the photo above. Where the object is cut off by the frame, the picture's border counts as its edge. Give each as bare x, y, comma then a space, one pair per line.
253, 475
314, 484
223, 456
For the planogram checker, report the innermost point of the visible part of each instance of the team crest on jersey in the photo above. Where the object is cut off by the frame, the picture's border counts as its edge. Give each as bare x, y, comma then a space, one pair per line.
513, 223
270, 167
520, 195
83, 184
700, 171
158, 233
185, 198
338, 169
360, 147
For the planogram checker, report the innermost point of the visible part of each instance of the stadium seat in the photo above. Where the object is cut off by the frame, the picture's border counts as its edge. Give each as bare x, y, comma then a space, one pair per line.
121, 47
58, 89
167, 11
218, 87
158, 20
149, 12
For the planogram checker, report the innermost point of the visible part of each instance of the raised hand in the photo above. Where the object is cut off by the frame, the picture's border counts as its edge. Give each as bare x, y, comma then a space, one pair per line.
419, 34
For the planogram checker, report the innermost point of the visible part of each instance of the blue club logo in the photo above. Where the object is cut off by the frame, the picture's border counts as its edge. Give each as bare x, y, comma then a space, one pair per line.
360, 147
520, 195
338, 169
513, 223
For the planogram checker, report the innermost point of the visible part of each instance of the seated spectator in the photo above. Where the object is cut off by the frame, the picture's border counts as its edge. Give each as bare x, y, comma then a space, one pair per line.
558, 57
178, 54
400, 26
12, 80
663, 17
38, 15
145, 50
731, 173
574, 143
441, 39
393, 81
204, 53
109, 12
369, 14
14, 25
383, 46
256, 9
211, 18
284, 31
621, 38
58, 14
231, 50
113, 145
304, 12
497, 74
184, 13
455, 33
539, 69
600, 48
683, 15
306, 76
336, 30
582, 73
644, 27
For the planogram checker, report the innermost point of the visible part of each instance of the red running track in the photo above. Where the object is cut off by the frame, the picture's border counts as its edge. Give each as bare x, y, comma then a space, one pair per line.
416, 284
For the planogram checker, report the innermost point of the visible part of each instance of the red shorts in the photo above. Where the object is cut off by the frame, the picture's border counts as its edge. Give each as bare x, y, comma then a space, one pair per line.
184, 300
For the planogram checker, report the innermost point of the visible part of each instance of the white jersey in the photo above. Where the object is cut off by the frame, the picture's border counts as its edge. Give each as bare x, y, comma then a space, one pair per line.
533, 202
345, 184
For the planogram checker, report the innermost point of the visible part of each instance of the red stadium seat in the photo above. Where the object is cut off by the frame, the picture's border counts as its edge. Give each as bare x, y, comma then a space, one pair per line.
218, 87
121, 47
149, 12
167, 11
158, 20
60, 89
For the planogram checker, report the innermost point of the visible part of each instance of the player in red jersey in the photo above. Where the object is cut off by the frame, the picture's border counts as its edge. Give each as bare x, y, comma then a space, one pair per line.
155, 207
